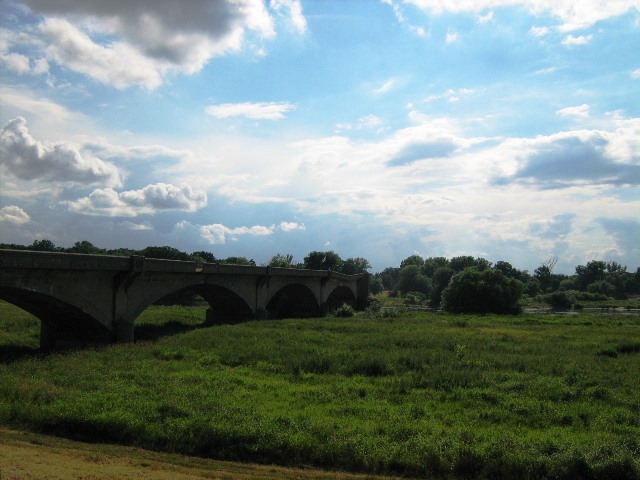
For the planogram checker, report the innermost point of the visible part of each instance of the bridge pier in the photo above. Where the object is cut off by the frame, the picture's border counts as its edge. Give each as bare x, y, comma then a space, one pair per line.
48, 336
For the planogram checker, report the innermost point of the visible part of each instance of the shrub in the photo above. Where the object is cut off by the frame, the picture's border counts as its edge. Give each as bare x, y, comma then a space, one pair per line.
486, 291
415, 298
345, 310
559, 300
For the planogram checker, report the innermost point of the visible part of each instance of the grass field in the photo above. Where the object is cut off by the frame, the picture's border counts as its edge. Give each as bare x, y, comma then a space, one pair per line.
423, 394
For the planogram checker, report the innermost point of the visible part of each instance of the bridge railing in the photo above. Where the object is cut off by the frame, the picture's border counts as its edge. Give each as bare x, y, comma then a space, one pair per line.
79, 261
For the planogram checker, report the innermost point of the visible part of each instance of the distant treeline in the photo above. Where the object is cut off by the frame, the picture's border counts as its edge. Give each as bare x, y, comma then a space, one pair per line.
468, 282
314, 260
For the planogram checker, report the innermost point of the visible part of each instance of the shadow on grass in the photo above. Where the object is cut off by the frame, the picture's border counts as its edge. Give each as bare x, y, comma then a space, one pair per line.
12, 353
149, 332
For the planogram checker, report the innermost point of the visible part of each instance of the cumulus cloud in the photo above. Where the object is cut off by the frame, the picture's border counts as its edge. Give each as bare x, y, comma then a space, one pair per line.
578, 158
256, 111
149, 200
555, 229
625, 232
136, 42
217, 233
26, 158
14, 214
291, 226
635, 74
539, 31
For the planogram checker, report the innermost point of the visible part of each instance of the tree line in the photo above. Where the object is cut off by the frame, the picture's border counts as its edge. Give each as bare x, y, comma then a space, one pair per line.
315, 260
459, 284
468, 284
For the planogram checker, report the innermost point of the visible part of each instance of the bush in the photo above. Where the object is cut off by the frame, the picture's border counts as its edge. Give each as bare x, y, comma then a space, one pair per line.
486, 291
415, 298
559, 300
345, 310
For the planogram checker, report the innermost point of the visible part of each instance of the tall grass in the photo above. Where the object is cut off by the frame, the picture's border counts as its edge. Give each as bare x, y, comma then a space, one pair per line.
421, 394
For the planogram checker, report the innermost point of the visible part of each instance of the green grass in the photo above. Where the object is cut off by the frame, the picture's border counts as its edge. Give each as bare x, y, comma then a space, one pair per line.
423, 394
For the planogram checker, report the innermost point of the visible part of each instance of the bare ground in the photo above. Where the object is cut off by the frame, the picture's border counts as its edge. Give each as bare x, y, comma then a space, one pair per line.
25, 455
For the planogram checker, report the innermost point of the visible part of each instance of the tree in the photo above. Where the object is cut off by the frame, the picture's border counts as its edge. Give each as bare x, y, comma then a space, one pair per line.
413, 280
352, 266
412, 260
202, 257
432, 264
238, 261
281, 261
43, 245
458, 264
375, 285
167, 253
482, 291
85, 246
592, 272
543, 275
390, 277
323, 261
439, 281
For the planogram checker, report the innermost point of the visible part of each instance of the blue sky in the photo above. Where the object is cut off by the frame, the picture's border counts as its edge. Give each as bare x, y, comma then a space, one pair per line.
506, 129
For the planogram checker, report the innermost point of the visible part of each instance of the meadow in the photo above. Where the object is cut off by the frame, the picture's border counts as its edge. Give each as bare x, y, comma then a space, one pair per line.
417, 394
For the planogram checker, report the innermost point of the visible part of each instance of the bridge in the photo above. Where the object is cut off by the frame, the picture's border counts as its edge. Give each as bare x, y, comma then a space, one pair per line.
96, 298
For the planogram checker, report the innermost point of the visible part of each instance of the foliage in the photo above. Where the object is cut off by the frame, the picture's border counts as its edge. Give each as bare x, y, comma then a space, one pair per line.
353, 266
282, 261
167, 253
412, 260
414, 395
413, 280
238, 261
390, 277
375, 285
559, 300
345, 310
482, 291
323, 261
415, 298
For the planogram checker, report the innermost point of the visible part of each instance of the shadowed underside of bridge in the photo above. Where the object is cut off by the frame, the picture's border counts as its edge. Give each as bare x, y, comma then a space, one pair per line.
90, 298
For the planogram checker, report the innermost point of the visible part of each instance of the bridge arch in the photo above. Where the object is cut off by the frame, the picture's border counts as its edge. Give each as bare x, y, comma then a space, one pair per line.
340, 295
293, 300
59, 318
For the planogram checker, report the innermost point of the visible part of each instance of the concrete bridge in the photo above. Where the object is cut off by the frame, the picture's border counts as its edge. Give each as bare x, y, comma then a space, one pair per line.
96, 298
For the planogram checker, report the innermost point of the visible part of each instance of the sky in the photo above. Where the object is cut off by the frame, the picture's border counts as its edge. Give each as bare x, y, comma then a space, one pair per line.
502, 129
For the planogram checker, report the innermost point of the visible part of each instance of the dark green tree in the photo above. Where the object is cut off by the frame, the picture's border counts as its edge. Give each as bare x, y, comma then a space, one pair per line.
238, 261
413, 280
390, 277
439, 282
43, 245
432, 264
412, 260
202, 257
281, 261
593, 271
482, 291
323, 261
352, 266
167, 253
85, 246
375, 285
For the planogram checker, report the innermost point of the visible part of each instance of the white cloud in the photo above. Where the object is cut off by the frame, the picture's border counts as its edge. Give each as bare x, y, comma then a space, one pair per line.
485, 18
635, 74
452, 95
295, 12
581, 111
452, 37
118, 64
16, 62
574, 14
388, 85
291, 226
138, 42
26, 158
14, 214
150, 200
571, 41
257, 111
539, 31
216, 234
